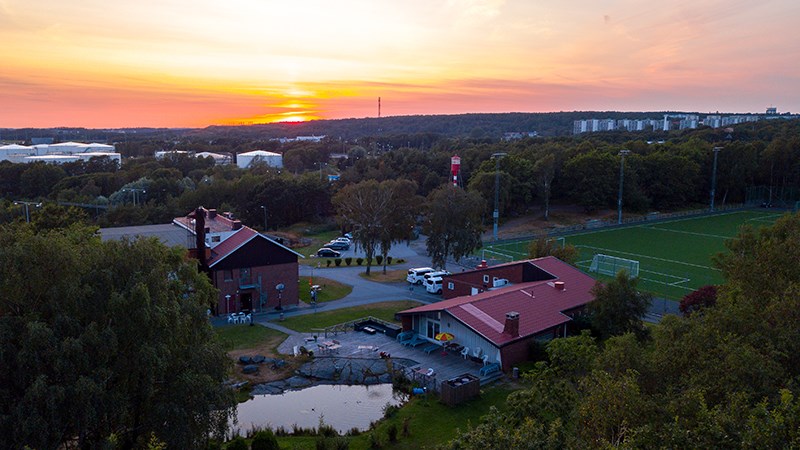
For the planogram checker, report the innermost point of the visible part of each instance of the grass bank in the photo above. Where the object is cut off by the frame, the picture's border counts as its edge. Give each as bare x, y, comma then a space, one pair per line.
382, 310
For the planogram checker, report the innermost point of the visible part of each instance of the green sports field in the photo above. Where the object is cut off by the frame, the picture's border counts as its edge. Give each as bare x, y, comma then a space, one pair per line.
675, 256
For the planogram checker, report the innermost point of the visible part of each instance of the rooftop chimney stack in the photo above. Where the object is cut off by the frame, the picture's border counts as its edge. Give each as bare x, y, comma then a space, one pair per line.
237, 224
559, 285
200, 236
212, 213
512, 324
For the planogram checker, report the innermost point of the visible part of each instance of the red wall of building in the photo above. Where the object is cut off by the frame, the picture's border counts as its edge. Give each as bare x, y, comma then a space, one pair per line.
270, 277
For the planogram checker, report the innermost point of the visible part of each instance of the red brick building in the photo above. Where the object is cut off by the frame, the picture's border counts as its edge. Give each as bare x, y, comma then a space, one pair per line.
251, 271
534, 301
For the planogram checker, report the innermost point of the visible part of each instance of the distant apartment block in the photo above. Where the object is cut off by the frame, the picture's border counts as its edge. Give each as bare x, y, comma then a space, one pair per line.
672, 122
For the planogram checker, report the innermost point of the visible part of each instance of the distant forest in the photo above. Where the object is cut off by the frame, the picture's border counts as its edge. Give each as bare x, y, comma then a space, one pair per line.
664, 171
491, 126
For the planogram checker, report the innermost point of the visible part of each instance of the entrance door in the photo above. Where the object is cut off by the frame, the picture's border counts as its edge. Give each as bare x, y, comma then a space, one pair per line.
433, 329
247, 301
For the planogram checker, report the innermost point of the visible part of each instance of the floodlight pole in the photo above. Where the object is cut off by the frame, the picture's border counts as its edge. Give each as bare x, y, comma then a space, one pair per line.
496, 214
714, 177
27, 205
622, 154
265, 217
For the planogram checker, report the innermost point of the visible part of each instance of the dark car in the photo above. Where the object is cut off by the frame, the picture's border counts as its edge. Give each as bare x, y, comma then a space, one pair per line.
338, 245
326, 252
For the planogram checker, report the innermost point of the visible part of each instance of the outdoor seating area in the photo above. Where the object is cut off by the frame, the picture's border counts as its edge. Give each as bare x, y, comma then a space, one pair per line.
240, 317
427, 360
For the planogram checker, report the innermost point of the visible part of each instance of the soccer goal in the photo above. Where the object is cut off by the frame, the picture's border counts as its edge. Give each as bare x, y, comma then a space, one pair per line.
611, 265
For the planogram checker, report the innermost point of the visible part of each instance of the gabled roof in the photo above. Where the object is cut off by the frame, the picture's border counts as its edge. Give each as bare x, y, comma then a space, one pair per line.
540, 304
236, 241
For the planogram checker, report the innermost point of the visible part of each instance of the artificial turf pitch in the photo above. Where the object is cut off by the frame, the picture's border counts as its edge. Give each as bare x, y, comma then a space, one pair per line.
675, 256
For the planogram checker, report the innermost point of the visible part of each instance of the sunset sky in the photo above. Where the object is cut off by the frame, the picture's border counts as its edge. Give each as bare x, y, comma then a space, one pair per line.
181, 63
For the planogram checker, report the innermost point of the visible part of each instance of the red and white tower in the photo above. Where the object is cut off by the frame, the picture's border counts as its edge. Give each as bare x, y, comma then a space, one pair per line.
455, 168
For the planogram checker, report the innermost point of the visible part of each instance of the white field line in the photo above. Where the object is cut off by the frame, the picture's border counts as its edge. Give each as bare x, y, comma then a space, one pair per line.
660, 222
717, 236
611, 251
502, 247
676, 284
769, 218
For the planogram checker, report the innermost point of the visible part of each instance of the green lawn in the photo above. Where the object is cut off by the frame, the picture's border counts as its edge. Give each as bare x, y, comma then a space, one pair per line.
431, 423
330, 289
675, 256
382, 310
235, 337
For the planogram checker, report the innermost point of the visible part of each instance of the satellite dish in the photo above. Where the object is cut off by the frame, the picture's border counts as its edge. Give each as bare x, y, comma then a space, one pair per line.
280, 287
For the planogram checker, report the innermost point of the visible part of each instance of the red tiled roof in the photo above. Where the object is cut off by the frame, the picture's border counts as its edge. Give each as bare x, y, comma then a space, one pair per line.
229, 245
539, 304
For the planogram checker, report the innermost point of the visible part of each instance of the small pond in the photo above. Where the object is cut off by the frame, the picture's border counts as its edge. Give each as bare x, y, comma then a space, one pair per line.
341, 406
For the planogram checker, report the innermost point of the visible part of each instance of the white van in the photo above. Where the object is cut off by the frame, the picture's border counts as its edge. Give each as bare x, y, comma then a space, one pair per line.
416, 276
434, 285
436, 273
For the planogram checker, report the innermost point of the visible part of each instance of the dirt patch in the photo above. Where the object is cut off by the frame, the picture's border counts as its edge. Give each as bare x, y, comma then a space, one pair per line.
534, 223
265, 372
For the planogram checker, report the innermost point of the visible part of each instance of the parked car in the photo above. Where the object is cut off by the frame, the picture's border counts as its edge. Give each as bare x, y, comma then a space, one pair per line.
434, 285
326, 252
346, 240
338, 245
415, 275
436, 274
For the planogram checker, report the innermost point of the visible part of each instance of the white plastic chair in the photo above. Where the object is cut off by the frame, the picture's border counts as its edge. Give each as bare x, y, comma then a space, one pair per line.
248, 318
231, 318
477, 353
465, 352
485, 359
430, 372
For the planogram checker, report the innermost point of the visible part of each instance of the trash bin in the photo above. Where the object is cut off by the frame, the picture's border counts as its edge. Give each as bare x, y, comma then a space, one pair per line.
515, 372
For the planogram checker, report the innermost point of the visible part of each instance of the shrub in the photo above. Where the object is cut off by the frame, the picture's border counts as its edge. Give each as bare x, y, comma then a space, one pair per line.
336, 443
348, 260
375, 441
238, 443
214, 444
401, 261
389, 260
390, 410
328, 263
379, 259
391, 432
264, 440
338, 262
359, 261
407, 427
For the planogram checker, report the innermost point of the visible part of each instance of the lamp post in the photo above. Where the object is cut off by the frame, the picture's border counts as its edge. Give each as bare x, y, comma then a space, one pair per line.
136, 192
320, 169
714, 177
496, 214
622, 154
228, 303
27, 205
280, 287
264, 207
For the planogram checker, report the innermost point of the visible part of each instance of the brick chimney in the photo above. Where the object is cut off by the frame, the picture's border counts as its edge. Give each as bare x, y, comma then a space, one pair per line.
212, 213
559, 285
199, 216
512, 324
237, 224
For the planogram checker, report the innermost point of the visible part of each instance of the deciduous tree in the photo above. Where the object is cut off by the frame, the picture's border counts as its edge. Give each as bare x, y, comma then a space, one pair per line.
454, 223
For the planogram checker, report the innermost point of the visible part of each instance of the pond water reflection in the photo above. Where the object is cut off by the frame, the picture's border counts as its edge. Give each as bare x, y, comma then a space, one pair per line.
342, 407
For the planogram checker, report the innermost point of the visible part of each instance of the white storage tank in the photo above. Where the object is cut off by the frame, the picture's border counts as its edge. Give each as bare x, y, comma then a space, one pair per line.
244, 160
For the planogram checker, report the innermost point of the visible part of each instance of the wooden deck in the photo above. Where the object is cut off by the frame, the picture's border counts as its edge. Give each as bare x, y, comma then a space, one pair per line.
412, 360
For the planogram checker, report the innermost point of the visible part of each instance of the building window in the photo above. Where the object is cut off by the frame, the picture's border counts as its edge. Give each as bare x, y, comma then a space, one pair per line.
244, 275
228, 275
450, 285
486, 278
214, 238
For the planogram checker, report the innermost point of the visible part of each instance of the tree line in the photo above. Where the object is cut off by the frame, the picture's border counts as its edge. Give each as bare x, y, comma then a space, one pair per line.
535, 172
